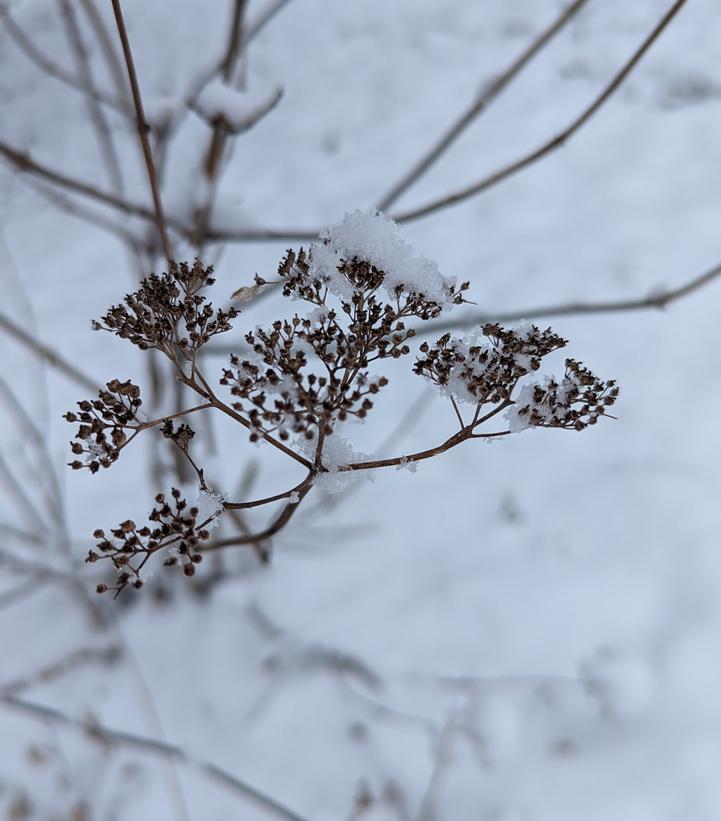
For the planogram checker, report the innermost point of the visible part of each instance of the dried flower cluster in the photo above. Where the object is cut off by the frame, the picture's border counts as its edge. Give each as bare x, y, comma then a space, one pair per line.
103, 425
175, 526
308, 373
574, 403
302, 377
169, 313
487, 370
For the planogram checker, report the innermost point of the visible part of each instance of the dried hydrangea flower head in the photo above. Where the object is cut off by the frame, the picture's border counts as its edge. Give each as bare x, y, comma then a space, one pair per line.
359, 293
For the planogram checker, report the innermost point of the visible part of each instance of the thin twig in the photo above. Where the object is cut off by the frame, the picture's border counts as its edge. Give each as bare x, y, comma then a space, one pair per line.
54, 359
32, 434
96, 111
262, 234
396, 461
280, 521
479, 105
155, 747
213, 154
658, 300
235, 40
26, 45
268, 499
68, 206
20, 592
550, 146
56, 669
16, 490
143, 130
107, 44
24, 162
205, 390
251, 32
263, 19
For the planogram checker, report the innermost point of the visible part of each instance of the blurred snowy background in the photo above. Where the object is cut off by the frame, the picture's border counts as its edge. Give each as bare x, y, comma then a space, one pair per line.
527, 631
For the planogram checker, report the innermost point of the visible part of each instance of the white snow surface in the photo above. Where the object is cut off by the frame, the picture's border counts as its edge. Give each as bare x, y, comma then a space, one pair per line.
528, 631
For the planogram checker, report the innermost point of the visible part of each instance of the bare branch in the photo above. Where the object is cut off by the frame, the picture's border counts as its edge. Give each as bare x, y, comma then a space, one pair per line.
155, 747
30, 432
235, 40
396, 461
657, 300
108, 46
97, 114
54, 359
280, 521
206, 391
56, 669
143, 130
20, 592
17, 492
25, 44
478, 106
69, 206
263, 19
269, 499
262, 234
24, 162
552, 145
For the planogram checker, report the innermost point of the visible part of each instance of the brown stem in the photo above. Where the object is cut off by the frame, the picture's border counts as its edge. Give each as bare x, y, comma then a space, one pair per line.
143, 130
458, 413
552, 145
205, 390
161, 420
235, 39
659, 300
280, 521
107, 45
479, 105
277, 498
23, 161
451, 442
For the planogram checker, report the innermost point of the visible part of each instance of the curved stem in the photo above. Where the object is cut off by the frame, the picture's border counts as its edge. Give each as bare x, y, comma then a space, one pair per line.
280, 521
205, 390
268, 499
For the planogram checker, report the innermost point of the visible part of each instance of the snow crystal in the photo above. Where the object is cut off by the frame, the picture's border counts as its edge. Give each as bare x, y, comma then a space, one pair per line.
94, 451
405, 464
337, 451
563, 388
210, 506
293, 498
516, 421
372, 236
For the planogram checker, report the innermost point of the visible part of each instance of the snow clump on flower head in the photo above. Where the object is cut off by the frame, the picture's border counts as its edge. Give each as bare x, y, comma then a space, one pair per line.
373, 237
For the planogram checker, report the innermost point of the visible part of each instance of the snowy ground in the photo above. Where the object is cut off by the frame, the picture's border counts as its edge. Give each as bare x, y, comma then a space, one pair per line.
523, 631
